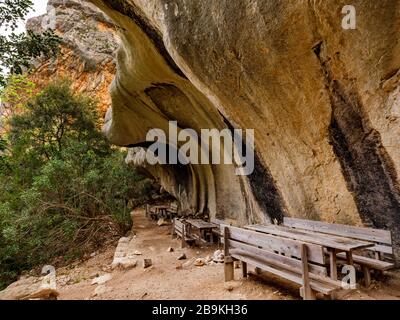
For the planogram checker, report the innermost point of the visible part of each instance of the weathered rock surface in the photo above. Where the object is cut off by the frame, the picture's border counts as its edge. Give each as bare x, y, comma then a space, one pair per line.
323, 101
89, 44
31, 288
124, 257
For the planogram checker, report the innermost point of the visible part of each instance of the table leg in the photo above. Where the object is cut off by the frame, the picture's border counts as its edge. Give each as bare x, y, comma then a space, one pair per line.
349, 258
333, 264
244, 269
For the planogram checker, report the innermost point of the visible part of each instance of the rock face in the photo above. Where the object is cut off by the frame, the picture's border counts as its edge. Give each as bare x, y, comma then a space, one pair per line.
89, 44
323, 101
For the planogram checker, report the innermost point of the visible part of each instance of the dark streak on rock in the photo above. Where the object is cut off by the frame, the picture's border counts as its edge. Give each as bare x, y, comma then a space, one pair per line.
263, 186
367, 167
132, 12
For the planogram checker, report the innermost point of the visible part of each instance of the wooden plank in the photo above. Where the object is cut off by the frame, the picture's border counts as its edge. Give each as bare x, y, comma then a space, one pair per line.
307, 292
273, 243
333, 263
200, 224
229, 268
325, 288
274, 258
370, 262
329, 241
367, 276
244, 269
382, 248
219, 221
362, 233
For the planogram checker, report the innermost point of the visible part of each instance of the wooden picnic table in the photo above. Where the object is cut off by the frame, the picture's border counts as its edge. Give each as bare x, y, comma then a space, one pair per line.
333, 244
162, 209
205, 228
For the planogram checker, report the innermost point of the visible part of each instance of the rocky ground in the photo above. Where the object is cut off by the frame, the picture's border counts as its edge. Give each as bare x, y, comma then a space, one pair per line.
170, 278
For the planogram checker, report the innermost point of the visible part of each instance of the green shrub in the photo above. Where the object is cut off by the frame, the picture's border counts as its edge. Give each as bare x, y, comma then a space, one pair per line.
63, 189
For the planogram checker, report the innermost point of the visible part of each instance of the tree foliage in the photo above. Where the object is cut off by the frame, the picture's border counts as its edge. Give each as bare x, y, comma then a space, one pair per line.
18, 50
63, 189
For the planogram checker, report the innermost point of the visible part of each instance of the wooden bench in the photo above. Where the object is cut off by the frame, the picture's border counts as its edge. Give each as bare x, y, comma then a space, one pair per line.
151, 212
217, 231
172, 211
381, 238
179, 229
292, 260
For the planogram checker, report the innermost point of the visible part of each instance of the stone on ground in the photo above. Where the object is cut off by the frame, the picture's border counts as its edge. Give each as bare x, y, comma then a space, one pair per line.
161, 222
102, 279
121, 258
31, 288
200, 262
218, 256
182, 257
147, 263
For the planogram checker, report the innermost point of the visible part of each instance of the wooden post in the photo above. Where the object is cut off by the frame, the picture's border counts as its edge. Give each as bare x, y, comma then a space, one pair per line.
244, 269
349, 258
183, 242
307, 292
173, 229
228, 261
367, 276
333, 265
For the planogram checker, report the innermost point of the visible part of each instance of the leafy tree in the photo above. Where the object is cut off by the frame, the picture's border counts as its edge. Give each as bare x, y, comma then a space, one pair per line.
15, 96
64, 190
18, 50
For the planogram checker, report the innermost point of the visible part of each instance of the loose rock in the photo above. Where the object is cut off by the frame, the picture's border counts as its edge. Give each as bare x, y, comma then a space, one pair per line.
182, 256
147, 263
124, 263
200, 262
218, 256
161, 222
102, 279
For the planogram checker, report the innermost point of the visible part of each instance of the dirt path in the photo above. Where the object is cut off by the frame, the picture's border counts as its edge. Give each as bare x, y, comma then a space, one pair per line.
164, 281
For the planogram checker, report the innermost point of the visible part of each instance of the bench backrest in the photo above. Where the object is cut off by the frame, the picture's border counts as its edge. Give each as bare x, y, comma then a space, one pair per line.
382, 238
276, 250
178, 226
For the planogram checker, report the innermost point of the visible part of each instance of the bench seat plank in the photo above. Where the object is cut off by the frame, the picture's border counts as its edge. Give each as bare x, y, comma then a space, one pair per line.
328, 241
362, 233
273, 243
274, 258
325, 288
369, 262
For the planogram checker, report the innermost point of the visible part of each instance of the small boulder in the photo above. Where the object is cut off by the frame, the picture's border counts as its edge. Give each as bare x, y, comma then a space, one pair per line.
137, 253
182, 257
170, 249
31, 288
124, 263
218, 256
161, 222
147, 263
230, 285
102, 279
200, 262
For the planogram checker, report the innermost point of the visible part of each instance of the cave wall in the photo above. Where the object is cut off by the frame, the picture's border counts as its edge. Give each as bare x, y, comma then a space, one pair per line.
323, 102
